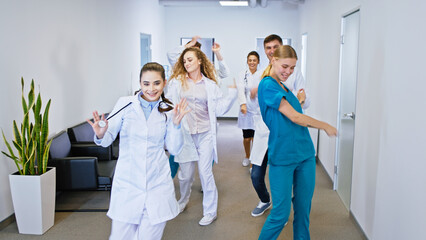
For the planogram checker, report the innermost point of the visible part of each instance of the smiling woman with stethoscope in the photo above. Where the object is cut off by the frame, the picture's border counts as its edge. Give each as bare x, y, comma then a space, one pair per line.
247, 80
142, 196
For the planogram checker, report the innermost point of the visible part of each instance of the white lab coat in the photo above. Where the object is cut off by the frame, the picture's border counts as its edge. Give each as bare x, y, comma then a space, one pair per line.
217, 105
261, 134
173, 56
142, 176
245, 82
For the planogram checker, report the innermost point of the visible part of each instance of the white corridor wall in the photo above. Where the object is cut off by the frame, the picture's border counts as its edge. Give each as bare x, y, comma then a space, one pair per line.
388, 182
82, 54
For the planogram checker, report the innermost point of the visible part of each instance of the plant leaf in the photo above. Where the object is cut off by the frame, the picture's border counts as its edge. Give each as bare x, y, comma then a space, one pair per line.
31, 95
16, 160
37, 107
24, 102
42, 160
17, 146
16, 133
12, 155
46, 156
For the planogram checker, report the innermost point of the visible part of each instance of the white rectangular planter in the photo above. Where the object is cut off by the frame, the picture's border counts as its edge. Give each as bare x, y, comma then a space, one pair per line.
34, 201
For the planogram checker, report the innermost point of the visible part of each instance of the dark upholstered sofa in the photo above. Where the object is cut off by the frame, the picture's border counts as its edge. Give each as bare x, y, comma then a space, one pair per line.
77, 166
83, 134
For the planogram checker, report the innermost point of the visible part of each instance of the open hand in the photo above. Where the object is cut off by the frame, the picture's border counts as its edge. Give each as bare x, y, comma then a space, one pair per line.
216, 47
179, 111
99, 131
331, 131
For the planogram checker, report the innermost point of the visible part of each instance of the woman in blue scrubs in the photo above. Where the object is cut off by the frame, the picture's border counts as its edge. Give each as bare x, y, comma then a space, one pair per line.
290, 148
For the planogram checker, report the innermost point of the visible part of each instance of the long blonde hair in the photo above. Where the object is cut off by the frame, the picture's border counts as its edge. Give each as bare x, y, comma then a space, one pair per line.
284, 51
206, 67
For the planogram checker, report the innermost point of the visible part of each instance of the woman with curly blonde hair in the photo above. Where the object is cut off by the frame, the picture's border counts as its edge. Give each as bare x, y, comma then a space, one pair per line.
194, 78
207, 68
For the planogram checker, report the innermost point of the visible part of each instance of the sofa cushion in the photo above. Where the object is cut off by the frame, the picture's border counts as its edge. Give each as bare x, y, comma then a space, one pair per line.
106, 172
61, 145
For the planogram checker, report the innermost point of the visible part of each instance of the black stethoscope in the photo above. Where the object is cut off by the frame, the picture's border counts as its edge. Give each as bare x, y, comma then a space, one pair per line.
246, 83
102, 123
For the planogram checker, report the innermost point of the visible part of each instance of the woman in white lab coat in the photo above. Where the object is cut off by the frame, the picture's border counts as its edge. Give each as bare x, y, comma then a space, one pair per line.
142, 197
194, 78
247, 80
222, 70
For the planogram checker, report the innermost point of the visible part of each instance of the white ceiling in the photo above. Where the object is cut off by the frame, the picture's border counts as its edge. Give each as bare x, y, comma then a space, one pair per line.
252, 3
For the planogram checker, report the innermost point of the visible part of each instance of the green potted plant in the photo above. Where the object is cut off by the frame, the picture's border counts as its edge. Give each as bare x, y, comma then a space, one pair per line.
33, 185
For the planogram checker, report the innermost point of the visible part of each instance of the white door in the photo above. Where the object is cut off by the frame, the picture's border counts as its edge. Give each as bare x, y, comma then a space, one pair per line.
145, 48
346, 111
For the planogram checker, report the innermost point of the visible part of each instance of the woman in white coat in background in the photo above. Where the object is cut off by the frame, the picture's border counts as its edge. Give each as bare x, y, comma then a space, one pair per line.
142, 196
194, 78
247, 80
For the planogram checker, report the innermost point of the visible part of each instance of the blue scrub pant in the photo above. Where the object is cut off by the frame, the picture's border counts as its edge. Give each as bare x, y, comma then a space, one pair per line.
301, 178
174, 166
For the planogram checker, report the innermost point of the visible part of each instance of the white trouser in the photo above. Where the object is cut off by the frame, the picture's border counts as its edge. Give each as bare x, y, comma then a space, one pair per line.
144, 230
204, 144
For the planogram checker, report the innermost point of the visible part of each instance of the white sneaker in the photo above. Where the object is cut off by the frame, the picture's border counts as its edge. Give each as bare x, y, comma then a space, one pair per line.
207, 219
182, 207
246, 162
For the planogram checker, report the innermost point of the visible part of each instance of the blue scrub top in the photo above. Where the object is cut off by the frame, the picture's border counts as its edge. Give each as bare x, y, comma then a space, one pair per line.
289, 142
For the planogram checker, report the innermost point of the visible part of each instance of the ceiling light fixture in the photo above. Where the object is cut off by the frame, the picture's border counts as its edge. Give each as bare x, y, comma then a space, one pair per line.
233, 3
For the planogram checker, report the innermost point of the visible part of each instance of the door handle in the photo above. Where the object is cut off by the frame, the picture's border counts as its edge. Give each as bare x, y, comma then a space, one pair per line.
349, 115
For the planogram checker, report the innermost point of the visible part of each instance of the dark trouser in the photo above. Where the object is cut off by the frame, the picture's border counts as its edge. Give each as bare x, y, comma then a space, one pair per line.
258, 179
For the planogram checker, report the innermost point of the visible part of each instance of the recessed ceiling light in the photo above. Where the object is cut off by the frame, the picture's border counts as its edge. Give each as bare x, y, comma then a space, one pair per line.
233, 3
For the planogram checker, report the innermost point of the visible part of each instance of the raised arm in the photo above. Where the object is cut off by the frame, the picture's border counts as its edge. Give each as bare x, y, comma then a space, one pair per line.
174, 138
223, 70
106, 135
304, 120
174, 54
99, 131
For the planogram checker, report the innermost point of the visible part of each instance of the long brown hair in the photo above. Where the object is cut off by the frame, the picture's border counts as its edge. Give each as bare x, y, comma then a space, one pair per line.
206, 67
165, 104
284, 51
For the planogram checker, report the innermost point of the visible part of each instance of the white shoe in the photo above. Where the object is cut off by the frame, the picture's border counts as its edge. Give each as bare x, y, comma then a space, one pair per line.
250, 170
246, 162
182, 207
207, 219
